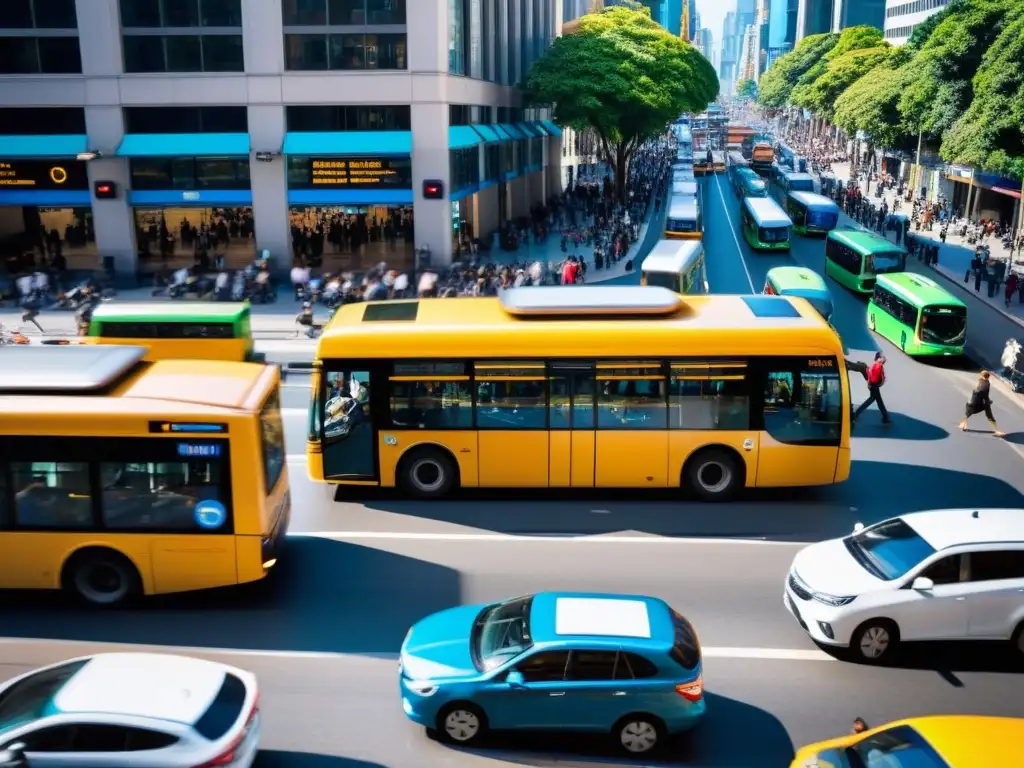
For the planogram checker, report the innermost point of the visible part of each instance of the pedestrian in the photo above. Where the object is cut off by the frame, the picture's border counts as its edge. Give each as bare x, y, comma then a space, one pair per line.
981, 402
876, 380
859, 726
1010, 288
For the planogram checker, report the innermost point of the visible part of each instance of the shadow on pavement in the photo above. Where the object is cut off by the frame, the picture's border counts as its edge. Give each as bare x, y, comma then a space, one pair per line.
948, 658
277, 759
869, 424
712, 744
325, 596
876, 490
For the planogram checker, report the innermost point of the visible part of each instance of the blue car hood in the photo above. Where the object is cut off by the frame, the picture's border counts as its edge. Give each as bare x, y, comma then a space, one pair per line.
438, 646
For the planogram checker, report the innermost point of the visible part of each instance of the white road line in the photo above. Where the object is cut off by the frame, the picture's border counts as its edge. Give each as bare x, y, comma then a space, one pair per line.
732, 231
548, 538
767, 654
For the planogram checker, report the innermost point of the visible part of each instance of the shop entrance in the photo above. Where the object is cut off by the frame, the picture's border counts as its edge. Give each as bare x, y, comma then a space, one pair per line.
212, 238
62, 239
353, 238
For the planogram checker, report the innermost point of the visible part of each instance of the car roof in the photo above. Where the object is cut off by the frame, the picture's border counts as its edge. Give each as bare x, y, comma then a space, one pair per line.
636, 621
943, 528
151, 685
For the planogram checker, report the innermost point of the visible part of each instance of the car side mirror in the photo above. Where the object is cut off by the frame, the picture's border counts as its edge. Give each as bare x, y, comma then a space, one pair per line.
922, 584
515, 679
858, 527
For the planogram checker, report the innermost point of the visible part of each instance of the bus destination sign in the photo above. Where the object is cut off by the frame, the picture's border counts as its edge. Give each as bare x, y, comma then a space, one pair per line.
41, 174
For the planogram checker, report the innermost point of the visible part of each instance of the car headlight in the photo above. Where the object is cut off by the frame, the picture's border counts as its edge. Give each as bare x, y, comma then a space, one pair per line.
421, 687
833, 600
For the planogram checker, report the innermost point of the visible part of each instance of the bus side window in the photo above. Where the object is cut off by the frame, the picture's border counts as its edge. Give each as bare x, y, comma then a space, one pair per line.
5, 508
803, 405
315, 423
52, 495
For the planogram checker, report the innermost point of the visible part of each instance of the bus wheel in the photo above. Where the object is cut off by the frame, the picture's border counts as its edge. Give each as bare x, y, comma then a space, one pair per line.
714, 474
871, 322
101, 577
427, 473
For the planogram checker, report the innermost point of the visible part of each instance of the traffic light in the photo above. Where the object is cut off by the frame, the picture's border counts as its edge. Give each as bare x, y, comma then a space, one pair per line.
433, 189
105, 190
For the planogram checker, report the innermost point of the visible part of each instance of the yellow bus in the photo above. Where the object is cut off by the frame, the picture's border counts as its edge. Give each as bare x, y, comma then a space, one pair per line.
595, 386
121, 477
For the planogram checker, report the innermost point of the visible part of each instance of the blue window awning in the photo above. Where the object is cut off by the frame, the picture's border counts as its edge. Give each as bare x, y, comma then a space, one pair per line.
43, 146
551, 128
349, 143
489, 134
514, 132
184, 145
462, 137
503, 134
531, 130
350, 197
189, 197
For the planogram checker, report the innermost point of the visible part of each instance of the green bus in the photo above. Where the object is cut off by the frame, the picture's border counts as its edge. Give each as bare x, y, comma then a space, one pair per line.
749, 184
214, 331
812, 214
918, 315
765, 225
803, 283
853, 258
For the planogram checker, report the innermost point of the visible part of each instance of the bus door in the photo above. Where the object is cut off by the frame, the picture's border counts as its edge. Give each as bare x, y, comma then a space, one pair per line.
350, 400
632, 421
803, 410
571, 418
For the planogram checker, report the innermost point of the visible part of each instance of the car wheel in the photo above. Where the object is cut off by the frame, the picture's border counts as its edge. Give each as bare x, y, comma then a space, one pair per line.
875, 640
713, 474
102, 578
639, 734
1018, 639
427, 473
461, 723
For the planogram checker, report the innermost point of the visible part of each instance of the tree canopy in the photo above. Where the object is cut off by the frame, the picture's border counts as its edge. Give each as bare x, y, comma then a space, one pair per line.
871, 103
839, 68
623, 76
746, 89
777, 83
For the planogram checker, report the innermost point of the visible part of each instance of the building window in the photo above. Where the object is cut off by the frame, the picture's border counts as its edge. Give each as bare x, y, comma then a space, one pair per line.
183, 53
40, 55
342, 13
464, 168
189, 173
41, 121
345, 52
181, 13
38, 14
328, 119
186, 120
457, 37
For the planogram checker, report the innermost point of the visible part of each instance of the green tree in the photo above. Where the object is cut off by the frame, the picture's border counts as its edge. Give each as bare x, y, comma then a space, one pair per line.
746, 89
777, 83
623, 76
840, 67
871, 104
924, 30
991, 133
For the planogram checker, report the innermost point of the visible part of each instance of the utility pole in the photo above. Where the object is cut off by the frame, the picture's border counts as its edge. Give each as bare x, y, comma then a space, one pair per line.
917, 163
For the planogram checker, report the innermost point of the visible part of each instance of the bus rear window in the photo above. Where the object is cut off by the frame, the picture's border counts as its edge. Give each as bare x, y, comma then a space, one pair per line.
272, 440
773, 234
681, 225
225, 709
685, 647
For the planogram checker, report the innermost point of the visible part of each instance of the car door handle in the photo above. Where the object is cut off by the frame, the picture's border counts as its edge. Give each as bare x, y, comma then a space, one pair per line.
619, 693
557, 693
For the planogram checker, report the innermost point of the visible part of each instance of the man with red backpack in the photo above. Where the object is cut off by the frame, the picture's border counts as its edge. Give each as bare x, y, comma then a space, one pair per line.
876, 380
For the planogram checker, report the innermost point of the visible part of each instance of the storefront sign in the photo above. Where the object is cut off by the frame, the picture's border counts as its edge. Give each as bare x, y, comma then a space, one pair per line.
40, 174
349, 172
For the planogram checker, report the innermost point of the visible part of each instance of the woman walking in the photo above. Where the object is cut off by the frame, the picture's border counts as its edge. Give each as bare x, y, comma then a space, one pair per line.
981, 402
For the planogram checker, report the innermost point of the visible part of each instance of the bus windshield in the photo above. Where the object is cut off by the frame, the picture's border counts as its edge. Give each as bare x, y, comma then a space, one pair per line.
823, 219
883, 262
773, 234
272, 440
662, 280
944, 325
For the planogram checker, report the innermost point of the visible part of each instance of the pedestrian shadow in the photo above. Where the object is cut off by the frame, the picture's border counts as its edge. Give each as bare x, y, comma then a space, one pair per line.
1017, 438
902, 427
712, 744
274, 758
323, 596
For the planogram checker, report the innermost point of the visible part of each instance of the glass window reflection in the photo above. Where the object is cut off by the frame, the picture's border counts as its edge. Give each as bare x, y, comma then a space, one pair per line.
211, 238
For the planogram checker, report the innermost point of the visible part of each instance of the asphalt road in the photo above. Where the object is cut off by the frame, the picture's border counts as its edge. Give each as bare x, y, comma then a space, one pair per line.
323, 634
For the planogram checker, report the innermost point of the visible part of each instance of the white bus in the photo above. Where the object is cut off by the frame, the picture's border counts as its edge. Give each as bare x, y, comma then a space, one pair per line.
676, 265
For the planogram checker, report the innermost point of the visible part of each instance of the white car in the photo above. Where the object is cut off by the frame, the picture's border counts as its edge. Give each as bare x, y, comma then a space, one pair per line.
142, 710
954, 574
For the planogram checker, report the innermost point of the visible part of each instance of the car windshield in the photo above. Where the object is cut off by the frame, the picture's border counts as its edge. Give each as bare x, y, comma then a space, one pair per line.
889, 550
899, 747
32, 698
944, 325
501, 632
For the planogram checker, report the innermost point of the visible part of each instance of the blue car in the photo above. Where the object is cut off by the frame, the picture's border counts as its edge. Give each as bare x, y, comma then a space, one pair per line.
621, 664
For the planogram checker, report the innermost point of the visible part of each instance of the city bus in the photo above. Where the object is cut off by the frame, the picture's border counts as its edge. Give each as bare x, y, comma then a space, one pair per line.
676, 265
120, 477
812, 214
684, 174
795, 182
701, 166
684, 188
684, 219
736, 162
210, 331
580, 386
853, 258
718, 162
803, 283
918, 315
765, 225
749, 184
761, 158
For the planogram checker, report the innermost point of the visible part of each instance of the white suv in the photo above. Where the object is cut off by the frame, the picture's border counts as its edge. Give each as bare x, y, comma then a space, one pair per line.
951, 574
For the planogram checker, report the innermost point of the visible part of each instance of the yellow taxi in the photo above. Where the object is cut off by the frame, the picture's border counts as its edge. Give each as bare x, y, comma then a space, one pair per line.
941, 741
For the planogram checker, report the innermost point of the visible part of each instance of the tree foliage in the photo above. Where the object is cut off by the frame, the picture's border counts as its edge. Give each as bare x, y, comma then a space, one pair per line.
777, 83
746, 89
871, 103
623, 76
839, 68
991, 133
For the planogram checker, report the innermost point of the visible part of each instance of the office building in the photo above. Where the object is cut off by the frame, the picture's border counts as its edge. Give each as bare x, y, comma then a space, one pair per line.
728, 53
857, 13
573, 9
704, 43
814, 17
902, 17
747, 68
782, 18
350, 131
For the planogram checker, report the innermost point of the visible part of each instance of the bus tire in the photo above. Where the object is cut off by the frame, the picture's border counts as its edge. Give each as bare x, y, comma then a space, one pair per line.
428, 473
713, 474
871, 322
101, 578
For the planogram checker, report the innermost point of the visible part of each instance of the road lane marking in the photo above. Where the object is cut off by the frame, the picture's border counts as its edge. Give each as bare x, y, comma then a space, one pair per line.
575, 538
766, 654
732, 231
